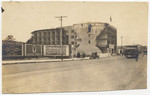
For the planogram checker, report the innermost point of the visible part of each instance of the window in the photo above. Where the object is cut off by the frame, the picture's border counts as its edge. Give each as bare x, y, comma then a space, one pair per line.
40, 39
89, 42
72, 31
48, 39
53, 33
40, 34
72, 36
72, 42
63, 32
57, 33
49, 33
45, 34
112, 50
53, 42
45, 39
35, 34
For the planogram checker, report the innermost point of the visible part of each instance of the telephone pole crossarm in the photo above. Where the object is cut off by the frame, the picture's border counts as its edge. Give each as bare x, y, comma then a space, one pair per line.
60, 16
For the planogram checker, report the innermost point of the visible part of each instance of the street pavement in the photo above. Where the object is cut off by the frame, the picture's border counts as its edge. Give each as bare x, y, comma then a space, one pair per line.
112, 73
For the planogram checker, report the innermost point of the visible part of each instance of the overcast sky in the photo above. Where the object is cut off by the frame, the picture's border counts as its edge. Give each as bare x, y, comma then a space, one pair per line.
130, 19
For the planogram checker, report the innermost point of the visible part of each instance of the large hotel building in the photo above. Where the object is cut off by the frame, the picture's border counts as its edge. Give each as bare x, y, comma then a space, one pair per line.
85, 37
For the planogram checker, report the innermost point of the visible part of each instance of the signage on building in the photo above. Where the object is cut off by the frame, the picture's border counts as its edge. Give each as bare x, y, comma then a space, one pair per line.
55, 50
12, 49
32, 50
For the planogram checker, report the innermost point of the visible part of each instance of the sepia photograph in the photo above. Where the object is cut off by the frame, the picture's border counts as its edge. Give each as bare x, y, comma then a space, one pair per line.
73, 46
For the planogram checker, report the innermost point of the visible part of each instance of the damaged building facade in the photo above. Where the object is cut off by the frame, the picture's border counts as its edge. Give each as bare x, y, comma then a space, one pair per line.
84, 37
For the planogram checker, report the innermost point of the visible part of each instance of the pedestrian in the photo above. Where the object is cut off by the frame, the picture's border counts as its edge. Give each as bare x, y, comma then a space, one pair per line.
83, 54
78, 55
121, 53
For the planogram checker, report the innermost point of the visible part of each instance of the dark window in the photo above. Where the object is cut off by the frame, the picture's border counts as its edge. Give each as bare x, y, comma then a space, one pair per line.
112, 50
72, 42
48, 38
40, 34
89, 42
35, 34
63, 32
72, 31
63, 42
67, 39
58, 32
72, 36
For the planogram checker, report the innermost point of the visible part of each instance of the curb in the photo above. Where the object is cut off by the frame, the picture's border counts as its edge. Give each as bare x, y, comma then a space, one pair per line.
49, 61
40, 62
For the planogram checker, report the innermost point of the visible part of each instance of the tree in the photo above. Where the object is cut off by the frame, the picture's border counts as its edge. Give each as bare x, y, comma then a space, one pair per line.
9, 38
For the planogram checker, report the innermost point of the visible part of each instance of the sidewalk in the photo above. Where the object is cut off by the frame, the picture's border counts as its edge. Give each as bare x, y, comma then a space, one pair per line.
44, 60
40, 60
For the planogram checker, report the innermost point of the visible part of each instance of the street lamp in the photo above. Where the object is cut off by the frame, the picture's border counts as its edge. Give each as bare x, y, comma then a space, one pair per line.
121, 41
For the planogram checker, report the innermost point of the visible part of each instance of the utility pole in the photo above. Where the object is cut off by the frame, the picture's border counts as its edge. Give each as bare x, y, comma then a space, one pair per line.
121, 42
61, 19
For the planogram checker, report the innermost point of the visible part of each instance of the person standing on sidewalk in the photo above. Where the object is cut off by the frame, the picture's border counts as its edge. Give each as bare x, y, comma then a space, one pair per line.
121, 53
78, 55
83, 54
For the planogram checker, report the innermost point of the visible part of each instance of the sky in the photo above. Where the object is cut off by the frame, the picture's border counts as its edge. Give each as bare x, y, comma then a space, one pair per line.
130, 18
